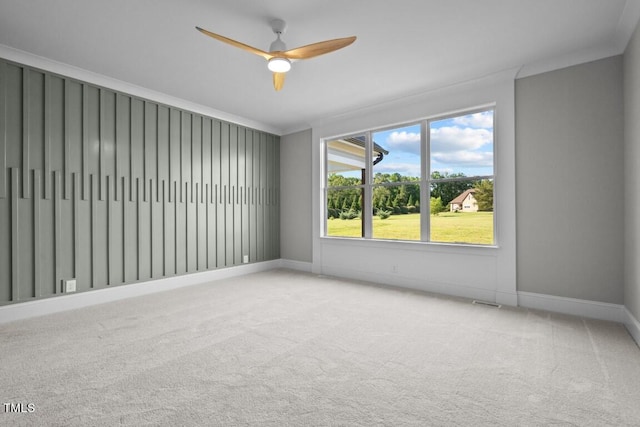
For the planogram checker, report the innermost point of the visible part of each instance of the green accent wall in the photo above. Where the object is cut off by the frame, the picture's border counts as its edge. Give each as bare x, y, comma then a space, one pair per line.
111, 189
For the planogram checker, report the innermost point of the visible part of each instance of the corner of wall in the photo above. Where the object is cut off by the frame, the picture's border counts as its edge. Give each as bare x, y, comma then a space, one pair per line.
633, 325
631, 87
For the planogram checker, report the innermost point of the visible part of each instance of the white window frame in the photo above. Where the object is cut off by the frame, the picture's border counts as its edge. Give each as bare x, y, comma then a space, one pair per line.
425, 177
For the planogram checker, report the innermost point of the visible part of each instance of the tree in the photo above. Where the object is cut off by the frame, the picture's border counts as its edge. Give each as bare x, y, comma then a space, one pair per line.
436, 205
380, 195
484, 195
448, 190
355, 206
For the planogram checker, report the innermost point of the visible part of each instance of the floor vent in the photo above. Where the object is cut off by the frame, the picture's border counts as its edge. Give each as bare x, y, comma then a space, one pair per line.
490, 304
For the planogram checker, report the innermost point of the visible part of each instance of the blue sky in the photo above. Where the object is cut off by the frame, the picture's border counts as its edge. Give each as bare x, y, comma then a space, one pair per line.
459, 144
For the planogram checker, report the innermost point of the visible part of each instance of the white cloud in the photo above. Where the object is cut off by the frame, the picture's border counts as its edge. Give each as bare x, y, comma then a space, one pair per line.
408, 142
464, 158
404, 136
478, 120
446, 139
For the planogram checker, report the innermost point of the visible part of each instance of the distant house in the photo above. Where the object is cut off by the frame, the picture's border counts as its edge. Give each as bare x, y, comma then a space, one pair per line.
465, 202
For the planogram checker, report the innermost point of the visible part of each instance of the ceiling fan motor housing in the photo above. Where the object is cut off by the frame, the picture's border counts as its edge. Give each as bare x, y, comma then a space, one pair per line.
278, 26
277, 45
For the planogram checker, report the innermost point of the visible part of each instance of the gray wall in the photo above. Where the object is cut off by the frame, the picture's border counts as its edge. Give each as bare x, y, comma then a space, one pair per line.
569, 171
632, 174
295, 178
111, 189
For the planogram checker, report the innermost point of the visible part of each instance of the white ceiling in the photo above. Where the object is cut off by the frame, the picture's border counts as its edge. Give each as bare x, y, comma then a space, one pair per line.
403, 47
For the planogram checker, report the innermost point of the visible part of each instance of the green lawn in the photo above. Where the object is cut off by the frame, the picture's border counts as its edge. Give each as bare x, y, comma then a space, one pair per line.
470, 227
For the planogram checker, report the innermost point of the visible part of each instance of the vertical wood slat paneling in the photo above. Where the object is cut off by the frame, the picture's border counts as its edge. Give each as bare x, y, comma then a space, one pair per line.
175, 227
15, 222
165, 234
85, 141
139, 224
249, 193
37, 291
99, 234
76, 235
110, 199
57, 215
81, 148
3, 131
151, 225
198, 263
5, 240
125, 200
136, 142
117, 141
67, 141
102, 168
25, 132
196, 153
47, 137
93, 198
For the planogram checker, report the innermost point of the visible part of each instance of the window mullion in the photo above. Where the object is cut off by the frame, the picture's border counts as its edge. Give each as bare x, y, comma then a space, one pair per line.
367, 210
424, 187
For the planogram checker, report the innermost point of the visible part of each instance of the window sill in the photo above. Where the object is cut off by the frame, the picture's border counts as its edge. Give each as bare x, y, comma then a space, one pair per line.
412, 245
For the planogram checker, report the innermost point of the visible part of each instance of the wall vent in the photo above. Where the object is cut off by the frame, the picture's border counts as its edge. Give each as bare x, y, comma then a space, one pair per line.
490, 304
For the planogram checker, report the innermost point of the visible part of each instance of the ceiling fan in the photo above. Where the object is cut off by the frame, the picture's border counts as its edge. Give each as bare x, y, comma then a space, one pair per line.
278, 57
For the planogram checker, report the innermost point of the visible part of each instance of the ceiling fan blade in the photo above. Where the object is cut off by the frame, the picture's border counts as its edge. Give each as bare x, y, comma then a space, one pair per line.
265, 55
278, 80
320, 48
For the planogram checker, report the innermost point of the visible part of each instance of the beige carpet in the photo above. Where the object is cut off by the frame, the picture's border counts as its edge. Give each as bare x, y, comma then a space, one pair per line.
285, 348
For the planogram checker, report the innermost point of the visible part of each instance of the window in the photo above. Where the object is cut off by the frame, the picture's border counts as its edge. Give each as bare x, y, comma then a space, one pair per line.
377, 182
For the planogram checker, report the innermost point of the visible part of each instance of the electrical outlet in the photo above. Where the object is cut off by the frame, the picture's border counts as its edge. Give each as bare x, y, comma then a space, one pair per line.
245, 259
70, 285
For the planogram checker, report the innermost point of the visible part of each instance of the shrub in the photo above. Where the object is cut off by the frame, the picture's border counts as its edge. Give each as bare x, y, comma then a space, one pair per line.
411, 209
383, 214
333, 213
436, 205
350, 214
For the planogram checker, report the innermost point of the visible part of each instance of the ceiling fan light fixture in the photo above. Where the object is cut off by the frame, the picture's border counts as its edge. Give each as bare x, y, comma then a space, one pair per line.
279, 57
279, 65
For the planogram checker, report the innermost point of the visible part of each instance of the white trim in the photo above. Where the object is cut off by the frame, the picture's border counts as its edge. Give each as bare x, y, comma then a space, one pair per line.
25, 310
627, 24
91, 77
500, 279
632, 324
405, 283
507, 298
573, 306
616, 45
296, 265
568, 60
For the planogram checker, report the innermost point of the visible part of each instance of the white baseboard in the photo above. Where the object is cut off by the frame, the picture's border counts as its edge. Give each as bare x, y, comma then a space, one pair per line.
632, 324
507, 298
24, 310
296, 265
412, 283
576, 307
